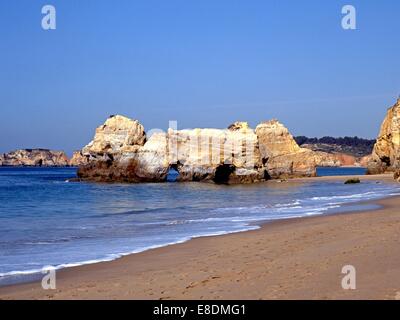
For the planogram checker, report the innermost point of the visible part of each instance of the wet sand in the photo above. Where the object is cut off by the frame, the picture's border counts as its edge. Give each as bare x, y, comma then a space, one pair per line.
290, 259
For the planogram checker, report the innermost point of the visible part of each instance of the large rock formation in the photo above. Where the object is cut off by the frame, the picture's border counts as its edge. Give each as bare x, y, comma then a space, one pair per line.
198, 155
386, 153
120, 151
34, 157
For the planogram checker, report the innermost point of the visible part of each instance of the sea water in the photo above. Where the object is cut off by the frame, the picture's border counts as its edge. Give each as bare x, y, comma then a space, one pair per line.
45, 220
340, 171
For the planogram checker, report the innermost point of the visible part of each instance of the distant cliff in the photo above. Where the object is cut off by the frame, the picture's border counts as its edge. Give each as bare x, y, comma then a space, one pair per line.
34, 158
336, 152
352, 146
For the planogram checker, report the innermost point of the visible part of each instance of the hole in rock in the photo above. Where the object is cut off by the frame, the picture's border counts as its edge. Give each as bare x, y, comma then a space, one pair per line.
173, 173
267, 175
223, 172
264, 161
386, 160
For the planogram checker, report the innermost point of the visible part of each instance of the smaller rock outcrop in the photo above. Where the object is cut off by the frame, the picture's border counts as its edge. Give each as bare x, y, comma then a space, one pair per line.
34, 158
78, 159
353, 181
112, 154
386, 153
239, 126
117, 135
397, 175
280, 153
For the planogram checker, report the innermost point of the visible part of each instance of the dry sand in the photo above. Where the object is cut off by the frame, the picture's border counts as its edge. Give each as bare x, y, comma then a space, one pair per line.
290, 259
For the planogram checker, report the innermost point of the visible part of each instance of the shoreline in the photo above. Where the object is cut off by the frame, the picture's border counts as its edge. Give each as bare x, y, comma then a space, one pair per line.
75, 277
33, 275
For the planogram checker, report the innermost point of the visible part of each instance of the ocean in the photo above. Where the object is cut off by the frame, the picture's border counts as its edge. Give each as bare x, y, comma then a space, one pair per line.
344, 171
47, 221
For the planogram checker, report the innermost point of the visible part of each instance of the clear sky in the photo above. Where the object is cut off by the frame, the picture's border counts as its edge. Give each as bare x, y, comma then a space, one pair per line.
204, 63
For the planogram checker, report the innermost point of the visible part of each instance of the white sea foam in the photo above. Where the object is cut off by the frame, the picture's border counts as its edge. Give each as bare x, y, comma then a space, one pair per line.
112, 257
350, 196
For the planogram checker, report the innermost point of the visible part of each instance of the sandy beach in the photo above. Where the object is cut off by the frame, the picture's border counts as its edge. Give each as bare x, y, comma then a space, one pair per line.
288, 259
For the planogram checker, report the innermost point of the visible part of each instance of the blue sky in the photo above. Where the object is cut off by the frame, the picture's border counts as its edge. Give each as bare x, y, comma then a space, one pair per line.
202, 63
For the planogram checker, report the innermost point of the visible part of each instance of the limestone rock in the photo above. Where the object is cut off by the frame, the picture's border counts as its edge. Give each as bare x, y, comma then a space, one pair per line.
112, 154
280, 153
116, 136
240, 126
227, 156
120, 152
397, 175
34, 157
110, 171
386, 153
325, 159
78, 159
152, 159
275, 139
364, 161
